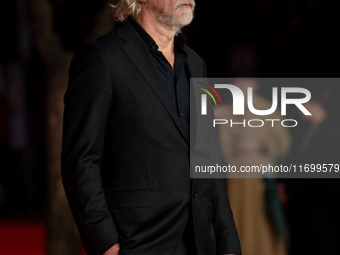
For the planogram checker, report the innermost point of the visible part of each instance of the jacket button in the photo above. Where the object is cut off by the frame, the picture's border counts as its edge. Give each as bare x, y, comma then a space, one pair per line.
194, 195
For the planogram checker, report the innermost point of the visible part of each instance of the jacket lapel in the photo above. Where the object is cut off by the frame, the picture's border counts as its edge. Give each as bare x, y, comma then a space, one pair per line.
137, 52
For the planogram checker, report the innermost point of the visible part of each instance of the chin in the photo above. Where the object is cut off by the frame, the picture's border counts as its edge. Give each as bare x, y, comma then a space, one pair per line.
184, 19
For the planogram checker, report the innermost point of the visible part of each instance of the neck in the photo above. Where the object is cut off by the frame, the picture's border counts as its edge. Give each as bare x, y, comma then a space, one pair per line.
163, 35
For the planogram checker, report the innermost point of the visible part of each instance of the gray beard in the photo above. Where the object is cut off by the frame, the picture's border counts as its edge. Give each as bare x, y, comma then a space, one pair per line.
175, 23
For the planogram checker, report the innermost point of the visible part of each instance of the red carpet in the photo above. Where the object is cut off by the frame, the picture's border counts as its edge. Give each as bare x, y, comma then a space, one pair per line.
24, 238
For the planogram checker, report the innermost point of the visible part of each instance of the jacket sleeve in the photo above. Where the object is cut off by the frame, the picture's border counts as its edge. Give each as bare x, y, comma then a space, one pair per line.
87, 106
227, 240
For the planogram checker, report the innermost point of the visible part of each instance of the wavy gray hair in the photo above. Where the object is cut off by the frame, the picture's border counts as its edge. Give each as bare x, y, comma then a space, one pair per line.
125, 8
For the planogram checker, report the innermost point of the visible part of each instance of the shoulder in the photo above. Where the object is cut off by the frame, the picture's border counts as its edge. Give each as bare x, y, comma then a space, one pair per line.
196, 63
108, 45
101, 46
193, 55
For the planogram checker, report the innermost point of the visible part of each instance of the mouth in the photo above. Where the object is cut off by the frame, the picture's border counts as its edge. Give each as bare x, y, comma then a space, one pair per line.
186, 5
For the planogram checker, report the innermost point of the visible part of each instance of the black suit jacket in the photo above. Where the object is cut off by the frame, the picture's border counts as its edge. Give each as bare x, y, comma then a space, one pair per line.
125, 159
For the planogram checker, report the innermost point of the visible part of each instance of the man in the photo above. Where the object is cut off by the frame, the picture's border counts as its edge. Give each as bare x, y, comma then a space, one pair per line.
125, 160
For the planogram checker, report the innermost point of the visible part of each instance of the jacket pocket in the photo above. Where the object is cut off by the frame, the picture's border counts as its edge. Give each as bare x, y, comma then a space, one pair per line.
131, 198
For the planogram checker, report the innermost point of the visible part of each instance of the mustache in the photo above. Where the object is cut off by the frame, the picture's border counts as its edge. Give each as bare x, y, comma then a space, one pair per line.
183, 2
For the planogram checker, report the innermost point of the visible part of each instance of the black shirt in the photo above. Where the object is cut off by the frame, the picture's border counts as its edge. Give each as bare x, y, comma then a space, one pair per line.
176, 80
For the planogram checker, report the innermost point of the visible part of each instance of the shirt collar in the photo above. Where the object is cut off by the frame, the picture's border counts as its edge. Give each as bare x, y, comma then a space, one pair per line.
150, 43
